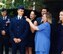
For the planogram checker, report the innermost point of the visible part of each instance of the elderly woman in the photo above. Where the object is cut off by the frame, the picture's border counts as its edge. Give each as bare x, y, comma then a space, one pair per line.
42, 36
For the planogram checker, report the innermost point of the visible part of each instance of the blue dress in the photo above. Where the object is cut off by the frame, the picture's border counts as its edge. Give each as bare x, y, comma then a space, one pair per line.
42, 39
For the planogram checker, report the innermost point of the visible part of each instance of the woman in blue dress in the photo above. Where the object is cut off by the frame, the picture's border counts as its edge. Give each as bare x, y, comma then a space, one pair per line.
42, 36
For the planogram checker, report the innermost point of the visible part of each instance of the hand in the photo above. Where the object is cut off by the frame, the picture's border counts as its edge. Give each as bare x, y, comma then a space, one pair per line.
19, 40
7, 23
27, 19
62, 52
15, 40
3, 32
35, 23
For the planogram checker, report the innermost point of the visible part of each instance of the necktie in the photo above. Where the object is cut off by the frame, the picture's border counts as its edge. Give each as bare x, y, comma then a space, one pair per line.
19, 18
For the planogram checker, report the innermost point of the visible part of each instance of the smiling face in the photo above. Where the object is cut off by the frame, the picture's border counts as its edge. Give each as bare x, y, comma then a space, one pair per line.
44, 11
32, 15
61, 16
47, 18
20, 12
44, 18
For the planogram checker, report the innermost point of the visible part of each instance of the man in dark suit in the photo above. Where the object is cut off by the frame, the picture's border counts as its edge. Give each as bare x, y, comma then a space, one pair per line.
4, 31
39, 19
18, 31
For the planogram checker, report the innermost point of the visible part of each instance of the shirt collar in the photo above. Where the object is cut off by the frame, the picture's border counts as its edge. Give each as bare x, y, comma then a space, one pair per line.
4, 18
19, 17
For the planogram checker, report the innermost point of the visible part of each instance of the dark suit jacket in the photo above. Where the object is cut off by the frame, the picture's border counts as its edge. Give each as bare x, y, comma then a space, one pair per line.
4, 25
39, 20
19, 29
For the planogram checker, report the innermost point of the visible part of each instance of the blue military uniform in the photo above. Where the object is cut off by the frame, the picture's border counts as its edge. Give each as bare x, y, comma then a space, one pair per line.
4, 38
18, 29
0, 37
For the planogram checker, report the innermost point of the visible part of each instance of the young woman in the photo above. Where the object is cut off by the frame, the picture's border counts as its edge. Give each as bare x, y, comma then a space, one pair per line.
42, 36
30, 39
60, 34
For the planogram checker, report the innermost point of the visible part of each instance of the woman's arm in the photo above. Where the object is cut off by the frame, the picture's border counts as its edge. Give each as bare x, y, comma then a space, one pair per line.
31, 24
32, 30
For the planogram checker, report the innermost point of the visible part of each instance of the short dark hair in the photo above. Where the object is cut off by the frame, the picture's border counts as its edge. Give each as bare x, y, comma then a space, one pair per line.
21, 7
3, 9
45, 8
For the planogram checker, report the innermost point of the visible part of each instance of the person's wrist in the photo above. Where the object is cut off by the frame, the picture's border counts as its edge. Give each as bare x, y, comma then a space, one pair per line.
29, 20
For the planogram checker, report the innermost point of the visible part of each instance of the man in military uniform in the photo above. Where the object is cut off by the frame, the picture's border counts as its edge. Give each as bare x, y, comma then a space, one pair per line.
4, 31
19, 30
